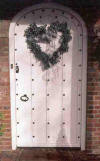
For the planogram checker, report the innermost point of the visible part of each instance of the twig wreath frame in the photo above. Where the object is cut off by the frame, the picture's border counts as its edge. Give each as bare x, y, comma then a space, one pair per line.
45, 34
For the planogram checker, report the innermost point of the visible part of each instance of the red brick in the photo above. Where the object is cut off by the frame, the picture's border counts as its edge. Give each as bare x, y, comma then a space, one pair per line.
97, 97
91, 128
97, 115
97, 107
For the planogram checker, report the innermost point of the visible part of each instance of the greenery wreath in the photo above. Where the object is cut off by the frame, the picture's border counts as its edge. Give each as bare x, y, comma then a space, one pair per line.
45, 34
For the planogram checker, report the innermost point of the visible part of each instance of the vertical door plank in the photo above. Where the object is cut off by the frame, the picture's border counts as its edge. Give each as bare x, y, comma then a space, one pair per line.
38, 104
23, 87
54, 103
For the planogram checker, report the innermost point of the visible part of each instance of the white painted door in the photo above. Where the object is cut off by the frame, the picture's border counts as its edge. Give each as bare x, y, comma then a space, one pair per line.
48, 102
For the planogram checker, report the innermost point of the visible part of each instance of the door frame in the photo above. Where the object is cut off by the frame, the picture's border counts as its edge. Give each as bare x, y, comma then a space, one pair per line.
12, 67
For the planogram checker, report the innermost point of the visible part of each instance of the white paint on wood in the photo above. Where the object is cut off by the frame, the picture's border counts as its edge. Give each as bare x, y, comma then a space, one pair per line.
71, 72
38, 104
12, 85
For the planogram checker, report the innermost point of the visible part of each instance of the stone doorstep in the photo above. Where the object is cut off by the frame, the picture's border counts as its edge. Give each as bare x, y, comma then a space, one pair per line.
40, 160
46, 155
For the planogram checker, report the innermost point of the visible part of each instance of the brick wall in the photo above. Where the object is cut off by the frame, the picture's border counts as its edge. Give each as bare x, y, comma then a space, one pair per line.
5, 125
93, 107
93, 94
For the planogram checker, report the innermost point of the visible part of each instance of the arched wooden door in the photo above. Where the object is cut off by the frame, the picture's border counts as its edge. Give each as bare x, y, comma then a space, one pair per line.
47, 104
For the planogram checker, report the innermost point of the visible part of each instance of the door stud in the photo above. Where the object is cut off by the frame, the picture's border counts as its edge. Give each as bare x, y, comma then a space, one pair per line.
17, 69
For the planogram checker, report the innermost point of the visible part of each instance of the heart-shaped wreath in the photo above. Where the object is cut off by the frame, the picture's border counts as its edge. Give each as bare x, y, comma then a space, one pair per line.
36, 34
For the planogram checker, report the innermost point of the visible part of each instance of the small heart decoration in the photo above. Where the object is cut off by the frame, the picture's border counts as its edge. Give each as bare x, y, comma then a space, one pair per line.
46, 34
